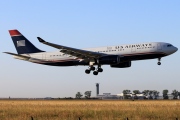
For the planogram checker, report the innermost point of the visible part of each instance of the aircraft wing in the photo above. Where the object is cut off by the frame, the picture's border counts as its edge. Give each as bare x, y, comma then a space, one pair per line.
83, 54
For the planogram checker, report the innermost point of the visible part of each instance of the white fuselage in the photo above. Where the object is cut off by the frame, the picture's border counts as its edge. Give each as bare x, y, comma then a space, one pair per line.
131, 52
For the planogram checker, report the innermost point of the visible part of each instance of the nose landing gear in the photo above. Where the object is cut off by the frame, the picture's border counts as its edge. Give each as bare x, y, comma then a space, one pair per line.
159, 61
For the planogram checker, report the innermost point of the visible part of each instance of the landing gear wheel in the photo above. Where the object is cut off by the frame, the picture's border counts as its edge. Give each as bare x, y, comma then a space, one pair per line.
100, 70
87, 71
159, 63
92, 68
95, 73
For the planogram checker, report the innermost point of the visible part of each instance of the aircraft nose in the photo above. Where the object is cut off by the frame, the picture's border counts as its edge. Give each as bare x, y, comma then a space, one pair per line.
175, 49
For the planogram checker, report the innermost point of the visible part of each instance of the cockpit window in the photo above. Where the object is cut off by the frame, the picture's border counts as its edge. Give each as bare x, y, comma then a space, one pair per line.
169, 45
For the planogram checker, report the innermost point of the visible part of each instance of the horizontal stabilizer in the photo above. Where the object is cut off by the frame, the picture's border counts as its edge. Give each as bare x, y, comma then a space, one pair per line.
22, 57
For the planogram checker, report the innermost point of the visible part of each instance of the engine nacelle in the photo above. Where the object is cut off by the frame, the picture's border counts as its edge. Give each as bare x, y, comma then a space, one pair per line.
110, 59
122, 65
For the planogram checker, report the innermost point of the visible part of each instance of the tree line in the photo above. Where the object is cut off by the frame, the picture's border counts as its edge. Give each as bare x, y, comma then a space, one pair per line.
147, 94
79, 95
150, 94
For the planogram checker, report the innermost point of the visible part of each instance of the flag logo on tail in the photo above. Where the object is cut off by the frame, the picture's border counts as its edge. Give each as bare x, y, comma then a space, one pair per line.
21, 43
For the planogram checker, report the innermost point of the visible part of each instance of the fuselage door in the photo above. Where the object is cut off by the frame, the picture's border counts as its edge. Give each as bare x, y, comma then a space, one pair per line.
159, 46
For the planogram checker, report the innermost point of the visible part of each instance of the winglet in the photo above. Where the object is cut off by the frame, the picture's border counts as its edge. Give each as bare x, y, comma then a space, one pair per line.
41, 40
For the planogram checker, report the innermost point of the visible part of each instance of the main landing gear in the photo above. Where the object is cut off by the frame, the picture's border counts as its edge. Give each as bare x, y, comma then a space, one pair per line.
87, 71
159, 63
95, 70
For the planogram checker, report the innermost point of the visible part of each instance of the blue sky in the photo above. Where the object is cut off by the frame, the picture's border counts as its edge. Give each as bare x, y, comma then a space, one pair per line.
82, 24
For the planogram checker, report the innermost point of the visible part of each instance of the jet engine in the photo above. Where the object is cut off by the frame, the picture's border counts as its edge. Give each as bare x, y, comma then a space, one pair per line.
110, 59
122, 65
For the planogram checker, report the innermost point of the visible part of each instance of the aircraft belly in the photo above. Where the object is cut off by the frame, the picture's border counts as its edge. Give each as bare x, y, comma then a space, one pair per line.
142, 56
61, 62
68, 63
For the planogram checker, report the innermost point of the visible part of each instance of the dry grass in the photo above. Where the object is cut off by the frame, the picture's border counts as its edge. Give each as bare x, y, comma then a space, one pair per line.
89, 110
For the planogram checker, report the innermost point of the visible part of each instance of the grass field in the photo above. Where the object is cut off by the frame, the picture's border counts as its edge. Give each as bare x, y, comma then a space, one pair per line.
89, 110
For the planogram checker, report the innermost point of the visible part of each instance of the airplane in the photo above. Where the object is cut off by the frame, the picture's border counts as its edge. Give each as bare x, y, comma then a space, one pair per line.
119, 56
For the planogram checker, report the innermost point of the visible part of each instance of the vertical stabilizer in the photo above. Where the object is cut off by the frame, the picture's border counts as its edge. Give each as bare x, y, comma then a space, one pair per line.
22, 45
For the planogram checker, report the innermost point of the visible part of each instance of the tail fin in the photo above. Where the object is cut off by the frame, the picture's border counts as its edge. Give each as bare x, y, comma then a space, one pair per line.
22, 44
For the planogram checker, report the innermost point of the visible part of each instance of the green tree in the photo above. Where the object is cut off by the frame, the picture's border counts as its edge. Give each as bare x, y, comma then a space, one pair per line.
135, 93
87, 94
126, 94
175, 94
145, 93
155, 94
78, 95
165, 94
150, 94
179, 94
